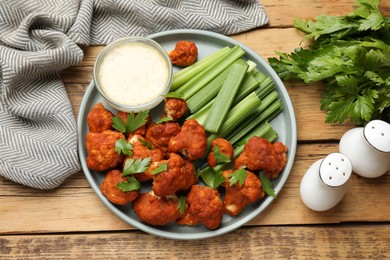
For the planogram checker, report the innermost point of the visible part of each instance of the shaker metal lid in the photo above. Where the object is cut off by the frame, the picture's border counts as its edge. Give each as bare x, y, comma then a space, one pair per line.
335, 169
377, 133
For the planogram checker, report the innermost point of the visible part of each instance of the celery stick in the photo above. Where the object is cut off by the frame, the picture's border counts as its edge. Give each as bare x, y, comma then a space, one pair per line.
265, 102
267, 115
201, 115
239, 113
207, 93
205, 76
183, 75
225, 97
249, 84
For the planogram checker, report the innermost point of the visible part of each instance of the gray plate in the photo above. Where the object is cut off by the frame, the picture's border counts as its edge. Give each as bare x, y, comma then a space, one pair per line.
284, 124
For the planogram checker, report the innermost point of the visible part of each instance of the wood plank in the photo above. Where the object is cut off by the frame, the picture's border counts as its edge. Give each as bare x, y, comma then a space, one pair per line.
292, 242
74, 207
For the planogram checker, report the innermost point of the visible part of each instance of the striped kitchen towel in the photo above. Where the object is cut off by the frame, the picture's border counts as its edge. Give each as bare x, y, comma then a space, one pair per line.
38, 39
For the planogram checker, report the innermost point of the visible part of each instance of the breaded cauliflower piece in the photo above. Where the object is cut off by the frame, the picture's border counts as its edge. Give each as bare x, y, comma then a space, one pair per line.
184, 54
160, 134
140, 151
168, 182
155, 210
175, 108
101, 150
238, 196
225, 148
204, 206
191, 141
99, 119
110, 190
260, 154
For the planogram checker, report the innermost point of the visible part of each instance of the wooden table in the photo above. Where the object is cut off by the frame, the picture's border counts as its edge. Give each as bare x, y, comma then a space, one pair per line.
70, 222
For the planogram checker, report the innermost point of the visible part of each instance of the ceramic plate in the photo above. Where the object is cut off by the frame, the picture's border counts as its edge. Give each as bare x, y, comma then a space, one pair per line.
284, 124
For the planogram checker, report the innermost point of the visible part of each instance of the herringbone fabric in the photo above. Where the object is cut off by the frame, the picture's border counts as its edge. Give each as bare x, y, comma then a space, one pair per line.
38, 39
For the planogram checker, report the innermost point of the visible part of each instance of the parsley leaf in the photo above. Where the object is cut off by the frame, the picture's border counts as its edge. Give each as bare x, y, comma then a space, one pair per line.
164, 120
350, 55
134, 121
118, 124
220, 157
123, 146
182, 204
267, 185
136, 166
129, 185
148, 145
161, 168
238, 176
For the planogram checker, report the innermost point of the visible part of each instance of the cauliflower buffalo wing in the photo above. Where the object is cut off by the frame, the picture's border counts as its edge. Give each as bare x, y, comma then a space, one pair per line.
184, 54
140, 151
155, 210
225, 148
204, 206
173, 179
101, 150
238, 196
191, 141
260, 154
175, 108
99, 119
160, 134
110, 190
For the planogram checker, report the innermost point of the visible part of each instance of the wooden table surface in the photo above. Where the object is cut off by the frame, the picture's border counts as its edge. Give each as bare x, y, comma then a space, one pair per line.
71, 222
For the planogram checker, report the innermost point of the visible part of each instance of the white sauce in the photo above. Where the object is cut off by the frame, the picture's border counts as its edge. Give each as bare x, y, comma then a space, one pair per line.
133, 74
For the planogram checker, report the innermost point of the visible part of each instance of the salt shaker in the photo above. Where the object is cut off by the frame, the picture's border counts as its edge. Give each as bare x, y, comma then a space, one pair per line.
368, 148
325, 183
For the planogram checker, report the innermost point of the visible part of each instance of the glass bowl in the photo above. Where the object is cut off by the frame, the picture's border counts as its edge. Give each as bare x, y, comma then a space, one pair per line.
133, 74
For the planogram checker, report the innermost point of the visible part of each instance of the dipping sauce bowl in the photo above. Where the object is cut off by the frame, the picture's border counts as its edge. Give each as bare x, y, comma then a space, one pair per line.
133, 74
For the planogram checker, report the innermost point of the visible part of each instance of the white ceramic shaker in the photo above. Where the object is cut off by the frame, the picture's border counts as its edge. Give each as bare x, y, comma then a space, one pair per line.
325, 183
368, 148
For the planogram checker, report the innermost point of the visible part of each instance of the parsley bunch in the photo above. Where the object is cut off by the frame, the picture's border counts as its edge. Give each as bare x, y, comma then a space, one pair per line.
351, 56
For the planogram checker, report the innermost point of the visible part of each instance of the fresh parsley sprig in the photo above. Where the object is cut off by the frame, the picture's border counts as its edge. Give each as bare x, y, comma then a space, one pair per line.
219, 156
122, 146
161, 168
136, 166
133, 122
237, 176
350, 55
267, 185
129, 185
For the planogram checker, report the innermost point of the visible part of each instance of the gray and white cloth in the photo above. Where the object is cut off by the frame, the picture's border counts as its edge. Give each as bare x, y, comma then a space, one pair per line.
38, 39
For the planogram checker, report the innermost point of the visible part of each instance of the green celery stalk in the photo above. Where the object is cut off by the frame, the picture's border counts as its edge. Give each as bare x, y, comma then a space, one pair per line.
267, 115
205, 76
201, 115
207, 93
225, 97
265, 103
182, 76
200, 99
239, 113
249, 84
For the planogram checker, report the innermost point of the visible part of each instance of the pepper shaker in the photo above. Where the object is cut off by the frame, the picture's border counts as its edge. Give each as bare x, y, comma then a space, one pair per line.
325, 183
368, 148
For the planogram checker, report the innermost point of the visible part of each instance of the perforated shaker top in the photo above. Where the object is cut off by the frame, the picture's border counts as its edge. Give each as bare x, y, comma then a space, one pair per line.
377, 133
335, 169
